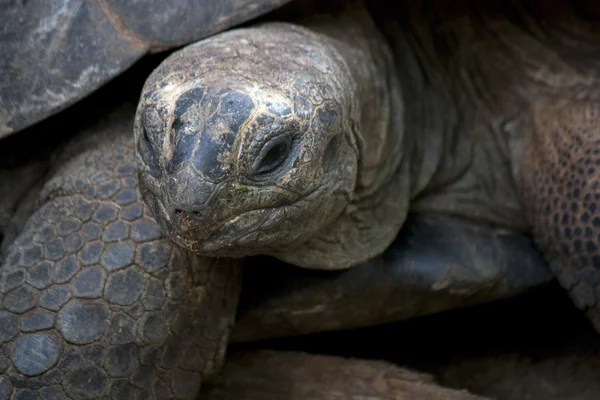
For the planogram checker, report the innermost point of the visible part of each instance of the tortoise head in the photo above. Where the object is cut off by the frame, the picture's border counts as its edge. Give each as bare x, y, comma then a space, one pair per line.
246, 142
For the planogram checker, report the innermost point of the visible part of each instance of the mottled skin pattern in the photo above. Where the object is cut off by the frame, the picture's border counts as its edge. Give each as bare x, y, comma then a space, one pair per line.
479, 109
562, 193
308, 142
96, 303
269, 159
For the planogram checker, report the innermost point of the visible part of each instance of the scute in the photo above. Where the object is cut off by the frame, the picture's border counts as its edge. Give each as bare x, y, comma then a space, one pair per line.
45, 68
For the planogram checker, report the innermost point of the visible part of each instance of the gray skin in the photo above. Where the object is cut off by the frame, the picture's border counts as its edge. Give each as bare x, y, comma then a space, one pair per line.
252, 143
311, 141
346, 162
96, 302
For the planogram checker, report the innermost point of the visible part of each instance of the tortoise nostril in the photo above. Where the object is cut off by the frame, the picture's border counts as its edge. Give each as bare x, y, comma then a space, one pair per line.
193, 214
145, 134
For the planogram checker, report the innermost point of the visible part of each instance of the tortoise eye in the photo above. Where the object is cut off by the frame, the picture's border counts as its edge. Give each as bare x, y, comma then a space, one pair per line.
145, 134
272, 156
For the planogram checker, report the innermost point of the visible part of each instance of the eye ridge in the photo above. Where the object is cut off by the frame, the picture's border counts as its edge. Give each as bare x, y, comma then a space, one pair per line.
273, 154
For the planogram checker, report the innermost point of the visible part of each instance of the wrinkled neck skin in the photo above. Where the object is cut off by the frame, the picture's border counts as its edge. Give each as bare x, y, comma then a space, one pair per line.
460, 162
381, 198
471, 73
433, 100
446, 91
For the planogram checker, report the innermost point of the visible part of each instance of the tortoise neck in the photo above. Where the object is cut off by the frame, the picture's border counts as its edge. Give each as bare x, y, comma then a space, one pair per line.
381, 197
383, 145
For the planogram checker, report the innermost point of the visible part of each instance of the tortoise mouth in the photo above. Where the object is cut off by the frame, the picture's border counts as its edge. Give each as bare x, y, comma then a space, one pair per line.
231, 238
261, 230
226, 235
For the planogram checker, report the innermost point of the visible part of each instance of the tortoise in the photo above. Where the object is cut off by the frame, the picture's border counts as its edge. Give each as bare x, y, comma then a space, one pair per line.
56, 342
444, 109
311, 141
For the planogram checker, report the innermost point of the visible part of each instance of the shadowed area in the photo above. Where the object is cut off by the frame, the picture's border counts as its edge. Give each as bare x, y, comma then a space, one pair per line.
535, 346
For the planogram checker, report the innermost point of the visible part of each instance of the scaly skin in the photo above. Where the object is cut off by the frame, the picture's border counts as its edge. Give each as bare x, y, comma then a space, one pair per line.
561, 191
482, 110
523, 94
96, 169
99, 164
95, 303
277, 140
436, 123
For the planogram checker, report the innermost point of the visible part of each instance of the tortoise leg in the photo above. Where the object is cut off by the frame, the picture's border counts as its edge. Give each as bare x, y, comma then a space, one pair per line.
559, 182
96, 304
437, 263
281, 375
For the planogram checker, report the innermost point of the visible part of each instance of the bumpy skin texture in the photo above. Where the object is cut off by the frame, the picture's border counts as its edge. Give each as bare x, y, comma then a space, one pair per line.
561, 189
527, 103
276, 140
280, 375
103, 157
495, 119
95, 303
